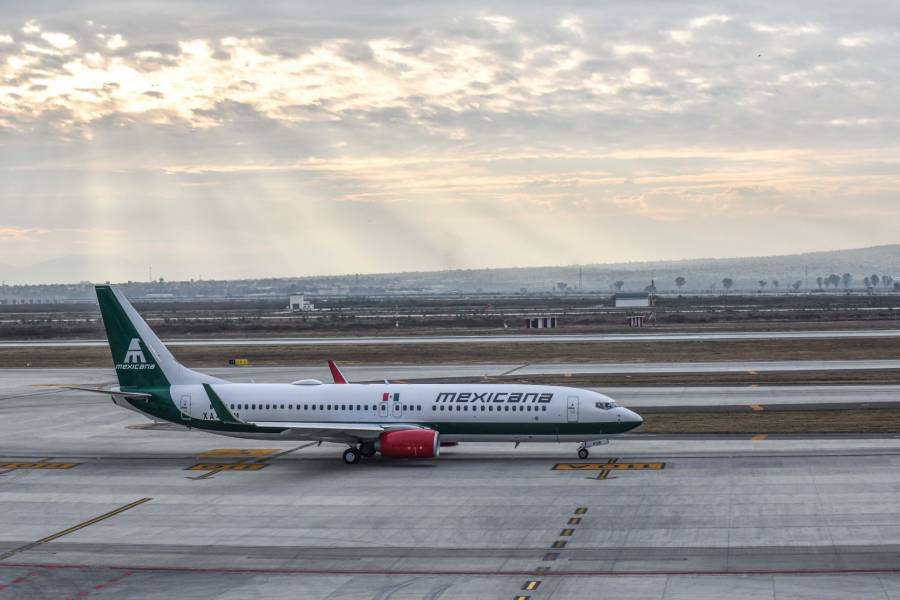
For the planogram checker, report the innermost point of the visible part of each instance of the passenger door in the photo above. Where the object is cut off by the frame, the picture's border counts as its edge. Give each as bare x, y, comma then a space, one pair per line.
383, 409
396, 409
572, 410
185, 407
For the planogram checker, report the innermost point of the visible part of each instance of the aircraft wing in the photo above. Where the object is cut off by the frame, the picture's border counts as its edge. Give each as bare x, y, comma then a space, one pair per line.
333, 431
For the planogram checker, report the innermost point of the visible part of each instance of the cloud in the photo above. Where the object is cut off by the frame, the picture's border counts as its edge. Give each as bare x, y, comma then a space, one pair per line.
499, 22
804, 29
60, 41
706, 21
18, 234
291, 133
626, 49
857, 41
573, 25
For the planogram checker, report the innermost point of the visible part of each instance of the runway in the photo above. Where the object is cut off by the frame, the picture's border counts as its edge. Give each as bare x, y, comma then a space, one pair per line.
121, 512
32, 383
484, 339
399, 373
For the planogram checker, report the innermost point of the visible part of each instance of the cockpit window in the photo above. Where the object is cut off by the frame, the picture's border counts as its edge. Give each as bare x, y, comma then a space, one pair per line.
606, 405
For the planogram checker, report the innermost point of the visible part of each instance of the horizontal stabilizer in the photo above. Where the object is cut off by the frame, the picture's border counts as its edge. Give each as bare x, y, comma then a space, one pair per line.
109, 392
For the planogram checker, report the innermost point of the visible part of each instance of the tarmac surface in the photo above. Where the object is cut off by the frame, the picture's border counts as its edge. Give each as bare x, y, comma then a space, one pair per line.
486, 339
95, 505
400, 373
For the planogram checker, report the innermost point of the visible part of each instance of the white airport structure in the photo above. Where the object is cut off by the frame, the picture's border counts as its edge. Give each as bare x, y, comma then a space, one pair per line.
633, 300
298, 303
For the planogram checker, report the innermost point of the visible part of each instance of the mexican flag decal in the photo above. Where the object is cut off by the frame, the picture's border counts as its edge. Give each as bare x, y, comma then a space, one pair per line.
387, 396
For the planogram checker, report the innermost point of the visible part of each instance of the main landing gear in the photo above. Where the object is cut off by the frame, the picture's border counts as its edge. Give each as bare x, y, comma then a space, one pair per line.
352, 456
583, 453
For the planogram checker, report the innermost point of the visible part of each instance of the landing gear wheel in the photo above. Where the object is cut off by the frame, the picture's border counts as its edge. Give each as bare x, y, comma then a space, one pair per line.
351, 456
367, 450
583, 453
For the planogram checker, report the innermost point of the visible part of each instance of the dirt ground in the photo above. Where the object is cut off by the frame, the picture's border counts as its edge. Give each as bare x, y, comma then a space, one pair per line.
630, 352
876, 420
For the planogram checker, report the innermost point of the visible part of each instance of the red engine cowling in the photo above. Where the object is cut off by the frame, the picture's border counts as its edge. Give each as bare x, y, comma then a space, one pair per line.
409, 443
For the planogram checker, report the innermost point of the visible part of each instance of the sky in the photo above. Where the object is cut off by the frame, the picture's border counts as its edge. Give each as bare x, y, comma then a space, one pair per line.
234, 139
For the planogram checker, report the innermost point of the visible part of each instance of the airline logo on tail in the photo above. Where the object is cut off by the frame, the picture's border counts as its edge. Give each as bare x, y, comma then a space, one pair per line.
134, 357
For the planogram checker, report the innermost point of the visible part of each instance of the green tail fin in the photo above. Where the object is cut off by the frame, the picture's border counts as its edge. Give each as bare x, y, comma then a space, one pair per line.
139, 357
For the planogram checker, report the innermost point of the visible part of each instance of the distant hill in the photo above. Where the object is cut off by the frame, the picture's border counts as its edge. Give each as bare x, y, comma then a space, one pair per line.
705, 274
700, 274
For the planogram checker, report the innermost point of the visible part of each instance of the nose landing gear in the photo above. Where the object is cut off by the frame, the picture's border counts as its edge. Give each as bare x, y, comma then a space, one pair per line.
583, 451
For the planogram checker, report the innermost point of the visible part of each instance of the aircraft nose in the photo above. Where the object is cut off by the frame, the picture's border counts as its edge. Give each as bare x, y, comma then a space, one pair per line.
632, 418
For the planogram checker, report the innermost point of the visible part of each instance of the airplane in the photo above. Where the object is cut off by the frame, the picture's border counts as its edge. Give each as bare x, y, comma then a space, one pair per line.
396, 420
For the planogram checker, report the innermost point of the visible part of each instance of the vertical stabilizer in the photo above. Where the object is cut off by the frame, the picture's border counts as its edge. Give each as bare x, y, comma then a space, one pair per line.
140, 358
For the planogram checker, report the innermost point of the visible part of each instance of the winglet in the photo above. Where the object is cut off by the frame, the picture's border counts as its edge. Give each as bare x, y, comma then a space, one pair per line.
221, 410
336, 373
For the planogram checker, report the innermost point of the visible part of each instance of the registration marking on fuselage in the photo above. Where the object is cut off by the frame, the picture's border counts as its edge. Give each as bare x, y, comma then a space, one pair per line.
608, 466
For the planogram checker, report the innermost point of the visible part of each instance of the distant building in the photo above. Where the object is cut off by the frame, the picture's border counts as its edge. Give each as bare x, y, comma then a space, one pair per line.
629, 300
541, 323
298, 303
636, 321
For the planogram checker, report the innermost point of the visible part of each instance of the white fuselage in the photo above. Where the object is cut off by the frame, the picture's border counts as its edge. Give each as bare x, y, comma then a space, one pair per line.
473, 412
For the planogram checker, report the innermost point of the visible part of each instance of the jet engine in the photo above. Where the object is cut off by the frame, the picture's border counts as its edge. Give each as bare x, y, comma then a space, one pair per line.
409, 443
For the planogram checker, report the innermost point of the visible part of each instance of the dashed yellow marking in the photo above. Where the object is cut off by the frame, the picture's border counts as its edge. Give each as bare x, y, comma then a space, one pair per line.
759, 437
227, 467
566, 532
756, 407
237, 452
558, 544
753, 372
581, 510
608, 466
38, 465
531, 585
574, 521
522, 597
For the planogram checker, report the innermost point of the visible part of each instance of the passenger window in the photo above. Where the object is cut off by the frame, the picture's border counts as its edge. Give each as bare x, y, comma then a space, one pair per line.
442, 408
544, 409
329, 407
